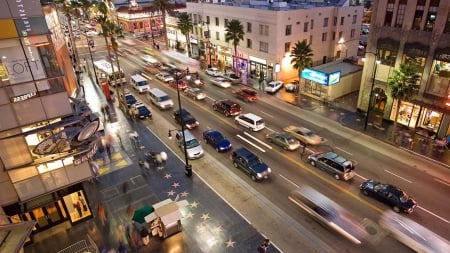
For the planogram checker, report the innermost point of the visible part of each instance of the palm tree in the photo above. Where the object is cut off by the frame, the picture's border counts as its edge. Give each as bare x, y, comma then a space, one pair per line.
164, 6
106, 25
234, 32
301, 55
404, 85
185, 26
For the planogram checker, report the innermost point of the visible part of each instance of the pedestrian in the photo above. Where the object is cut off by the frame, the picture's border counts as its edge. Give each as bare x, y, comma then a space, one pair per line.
108, 149
95, 168
303, 147
158, 161
101, 213
84, 64
264, 246
125, 187
163, 157
77, 206
107, 112
102, 109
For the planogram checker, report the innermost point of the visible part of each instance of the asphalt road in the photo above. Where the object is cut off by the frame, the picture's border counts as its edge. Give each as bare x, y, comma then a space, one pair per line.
290, 170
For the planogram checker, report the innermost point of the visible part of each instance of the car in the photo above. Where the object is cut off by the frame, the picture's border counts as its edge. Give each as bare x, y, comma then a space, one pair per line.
213, 72
227, 107
164, 76
148, 50
233, 78
246, 94
185, 117
193, 148
304, 135
141, 110
181, 84
130, 99
195, 93
284, 140
334, 164
130, 50
221, 82
250, 121
217, 140
389, 195
174, 71
196, 82
91, 33
273, 86
292, 86
251, 164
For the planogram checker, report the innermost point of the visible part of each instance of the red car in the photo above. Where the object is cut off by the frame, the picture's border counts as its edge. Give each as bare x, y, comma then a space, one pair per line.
181, 84
246, 94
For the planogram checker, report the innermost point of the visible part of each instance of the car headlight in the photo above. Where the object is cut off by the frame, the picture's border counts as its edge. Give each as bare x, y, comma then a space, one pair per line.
269, 170
259, 175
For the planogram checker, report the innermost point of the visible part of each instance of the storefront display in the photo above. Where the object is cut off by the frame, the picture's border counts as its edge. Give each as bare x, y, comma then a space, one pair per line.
76, 206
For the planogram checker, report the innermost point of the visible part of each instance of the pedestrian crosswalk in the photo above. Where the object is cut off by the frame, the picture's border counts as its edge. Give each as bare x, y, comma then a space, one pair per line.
118, 160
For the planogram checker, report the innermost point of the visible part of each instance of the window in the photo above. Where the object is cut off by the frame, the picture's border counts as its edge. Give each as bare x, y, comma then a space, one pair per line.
249, 27
342, 20
249, 43
217, 21
226, 22
334, 21
400, 14
305, 27
387, 57
325, 22
431, 19
352, 33
310, 39
288, 30
263, 46
333, 37
355, 17
264, 30
208, 21
418, 15
287, 47
312, 24
217, 35
324, 36
389, 13
341, 34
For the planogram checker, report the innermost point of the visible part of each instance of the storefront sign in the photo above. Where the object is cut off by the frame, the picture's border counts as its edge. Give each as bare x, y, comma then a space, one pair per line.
23, 97
334, 78
79, 159
258, 60
321, 77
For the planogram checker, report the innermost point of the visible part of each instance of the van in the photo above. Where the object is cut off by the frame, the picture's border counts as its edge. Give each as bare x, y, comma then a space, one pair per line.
160, 99
334, 164
250, 121
193, 148
139, 83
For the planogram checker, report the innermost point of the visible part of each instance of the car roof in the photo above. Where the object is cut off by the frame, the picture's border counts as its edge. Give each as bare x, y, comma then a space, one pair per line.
285, 135
228, 101
214, 133
244, 153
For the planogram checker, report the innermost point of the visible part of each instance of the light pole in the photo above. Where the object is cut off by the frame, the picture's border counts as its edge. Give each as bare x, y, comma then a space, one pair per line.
376, 62
188, 167
91, 44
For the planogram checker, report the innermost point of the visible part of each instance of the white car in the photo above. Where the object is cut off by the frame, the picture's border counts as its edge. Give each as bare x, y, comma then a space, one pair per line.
213, 72
91, 33
273, 86
221, 82
165, 77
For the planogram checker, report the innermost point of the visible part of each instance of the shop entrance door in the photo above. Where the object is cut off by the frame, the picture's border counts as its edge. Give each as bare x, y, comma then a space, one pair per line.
46, 216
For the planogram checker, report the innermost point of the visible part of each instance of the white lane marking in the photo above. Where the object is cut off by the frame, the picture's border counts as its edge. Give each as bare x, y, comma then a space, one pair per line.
358, 175
256, 139
392, 173
344, 151
251, 143
270, 129
265, 113
289, 181
435, 215
441, 181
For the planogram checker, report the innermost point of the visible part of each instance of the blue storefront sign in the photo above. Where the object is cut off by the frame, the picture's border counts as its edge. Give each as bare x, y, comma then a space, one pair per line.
321, 77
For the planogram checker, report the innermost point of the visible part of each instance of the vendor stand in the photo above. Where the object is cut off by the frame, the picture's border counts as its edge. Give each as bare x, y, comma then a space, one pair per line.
166, 218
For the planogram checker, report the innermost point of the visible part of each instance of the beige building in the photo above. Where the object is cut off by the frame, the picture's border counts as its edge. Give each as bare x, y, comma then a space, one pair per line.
415, 32
271, 31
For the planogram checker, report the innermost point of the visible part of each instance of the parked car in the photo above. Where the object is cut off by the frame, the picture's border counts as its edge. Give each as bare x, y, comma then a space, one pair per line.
193, 148
246, 94
389, 195
304, 135
273, 86
195, 93
189, 121
334, 164
284, 140
227, 107
142, 111
165, 77
217, 140
233, 78
181, 84
292, 86
221, 82
213, 72
130, 99
251, 164
197, 82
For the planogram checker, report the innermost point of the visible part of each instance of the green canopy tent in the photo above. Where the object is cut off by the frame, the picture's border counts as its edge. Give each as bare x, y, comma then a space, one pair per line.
139, 214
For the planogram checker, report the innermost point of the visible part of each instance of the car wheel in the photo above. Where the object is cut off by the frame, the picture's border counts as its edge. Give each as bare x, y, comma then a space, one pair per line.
313, 163
235, 165
227, 114
365, 192
336, 176
253, 177
396, 209
215, 108
217, 149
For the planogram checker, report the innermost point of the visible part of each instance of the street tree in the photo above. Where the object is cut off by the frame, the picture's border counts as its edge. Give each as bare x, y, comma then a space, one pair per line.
301, 55
234, 32
185, 26
165, 7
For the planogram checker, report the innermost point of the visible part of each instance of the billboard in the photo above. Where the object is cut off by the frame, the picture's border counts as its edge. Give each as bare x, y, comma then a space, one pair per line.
321, 77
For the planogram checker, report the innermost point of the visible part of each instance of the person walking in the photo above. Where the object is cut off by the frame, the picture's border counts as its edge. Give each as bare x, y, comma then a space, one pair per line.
101, 213
108, 149
163, 157
264, 246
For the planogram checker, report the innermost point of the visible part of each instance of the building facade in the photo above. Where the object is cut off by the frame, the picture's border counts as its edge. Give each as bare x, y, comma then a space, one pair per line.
271, 31
46, 137
414, 32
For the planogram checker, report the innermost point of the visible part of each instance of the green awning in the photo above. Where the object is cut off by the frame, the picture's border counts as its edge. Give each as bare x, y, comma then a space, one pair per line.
140, 213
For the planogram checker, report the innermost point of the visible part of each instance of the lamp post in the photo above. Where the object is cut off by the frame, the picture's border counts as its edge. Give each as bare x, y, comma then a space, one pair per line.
188, 167
91, 44
376, 62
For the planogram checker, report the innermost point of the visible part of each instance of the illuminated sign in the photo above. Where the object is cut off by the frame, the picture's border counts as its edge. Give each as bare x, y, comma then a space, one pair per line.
23, 97
79, 159
321, 77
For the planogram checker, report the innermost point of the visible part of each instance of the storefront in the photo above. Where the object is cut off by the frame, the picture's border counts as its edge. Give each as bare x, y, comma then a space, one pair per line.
259, 69
143, 19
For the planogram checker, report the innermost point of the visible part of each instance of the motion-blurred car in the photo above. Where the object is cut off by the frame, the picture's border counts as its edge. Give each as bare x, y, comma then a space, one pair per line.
142, 111
334, 164
213, 72
233, 78
273, 86
185, 117
217, 140
227, 107
246, 94
181, 84
91, 33
389, 195
195, 93
304, 135
165, 77
292, 86
284, 140
328, 213
221, 82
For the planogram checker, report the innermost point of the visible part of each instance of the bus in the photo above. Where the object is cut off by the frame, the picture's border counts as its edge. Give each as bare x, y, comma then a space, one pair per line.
110, 73
182, 61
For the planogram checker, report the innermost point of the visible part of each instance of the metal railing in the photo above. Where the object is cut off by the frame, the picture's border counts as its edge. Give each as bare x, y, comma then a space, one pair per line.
82, 246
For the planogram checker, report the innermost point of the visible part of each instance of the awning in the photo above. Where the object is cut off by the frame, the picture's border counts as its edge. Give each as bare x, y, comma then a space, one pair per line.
139, 214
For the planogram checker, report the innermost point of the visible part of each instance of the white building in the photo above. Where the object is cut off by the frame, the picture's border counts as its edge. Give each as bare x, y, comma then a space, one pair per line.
271, 31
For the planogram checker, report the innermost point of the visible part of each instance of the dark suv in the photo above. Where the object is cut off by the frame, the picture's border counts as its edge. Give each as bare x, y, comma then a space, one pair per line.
227, 107
251, 164
186, 118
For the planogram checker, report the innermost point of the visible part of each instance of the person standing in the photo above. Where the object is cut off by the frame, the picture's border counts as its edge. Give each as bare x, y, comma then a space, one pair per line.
108, 149
77, 206
264, 246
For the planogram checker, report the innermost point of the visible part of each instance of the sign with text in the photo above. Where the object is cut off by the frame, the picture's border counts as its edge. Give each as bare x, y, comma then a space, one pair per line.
321, 77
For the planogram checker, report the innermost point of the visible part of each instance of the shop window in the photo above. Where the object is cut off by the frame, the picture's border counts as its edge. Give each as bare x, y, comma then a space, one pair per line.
430, 120
387, 57
417, 61
77, 206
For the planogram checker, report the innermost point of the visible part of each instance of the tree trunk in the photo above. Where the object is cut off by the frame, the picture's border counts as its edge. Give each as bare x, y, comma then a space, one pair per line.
122, 84
299, 97
188, 44
236, 70
394, 126
165, 30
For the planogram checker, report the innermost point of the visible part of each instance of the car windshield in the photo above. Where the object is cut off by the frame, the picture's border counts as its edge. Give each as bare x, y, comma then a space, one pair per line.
142, 109
164, 98
259, 122
192, 143
308, 133
403, 197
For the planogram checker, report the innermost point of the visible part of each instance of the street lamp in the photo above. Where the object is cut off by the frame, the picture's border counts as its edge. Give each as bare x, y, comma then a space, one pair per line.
188, 167
376, 62
91, 44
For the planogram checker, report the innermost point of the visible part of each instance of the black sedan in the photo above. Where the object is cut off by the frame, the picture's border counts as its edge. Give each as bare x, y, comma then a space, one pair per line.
217, 140
189, 121
388, 194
